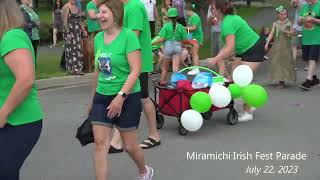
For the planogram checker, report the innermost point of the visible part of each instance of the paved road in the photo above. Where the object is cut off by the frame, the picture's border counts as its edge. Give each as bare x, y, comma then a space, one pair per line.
288, 123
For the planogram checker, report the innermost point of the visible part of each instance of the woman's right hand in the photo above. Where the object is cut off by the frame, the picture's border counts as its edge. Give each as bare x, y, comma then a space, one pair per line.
266, 47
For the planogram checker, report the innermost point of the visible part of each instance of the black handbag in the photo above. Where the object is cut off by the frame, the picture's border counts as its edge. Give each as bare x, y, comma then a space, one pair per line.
85, 133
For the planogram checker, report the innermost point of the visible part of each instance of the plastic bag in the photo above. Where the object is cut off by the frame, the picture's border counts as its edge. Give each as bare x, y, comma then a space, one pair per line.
175, 77
202, 80
85, 133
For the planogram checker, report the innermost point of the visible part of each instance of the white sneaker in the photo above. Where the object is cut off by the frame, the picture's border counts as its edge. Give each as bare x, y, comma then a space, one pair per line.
245, 117
194, 72
148, 175
253, 109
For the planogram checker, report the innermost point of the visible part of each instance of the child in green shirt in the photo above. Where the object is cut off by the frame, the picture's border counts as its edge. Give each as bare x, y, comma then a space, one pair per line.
195, 35
172, 34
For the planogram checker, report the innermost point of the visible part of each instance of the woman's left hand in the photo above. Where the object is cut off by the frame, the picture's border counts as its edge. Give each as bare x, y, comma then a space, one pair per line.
115, 107
3, 119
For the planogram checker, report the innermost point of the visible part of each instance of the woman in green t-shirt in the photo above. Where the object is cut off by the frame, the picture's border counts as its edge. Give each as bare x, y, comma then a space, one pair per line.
20, 110
238, 38
116, 98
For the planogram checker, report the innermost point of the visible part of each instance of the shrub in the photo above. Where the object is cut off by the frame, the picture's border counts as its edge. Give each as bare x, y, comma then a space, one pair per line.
45, 33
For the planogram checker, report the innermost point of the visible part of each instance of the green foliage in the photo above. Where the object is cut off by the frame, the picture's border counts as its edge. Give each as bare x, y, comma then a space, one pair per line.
45, 33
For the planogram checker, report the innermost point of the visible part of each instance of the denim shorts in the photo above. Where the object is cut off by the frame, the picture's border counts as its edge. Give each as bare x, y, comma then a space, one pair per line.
130, 115
172, 48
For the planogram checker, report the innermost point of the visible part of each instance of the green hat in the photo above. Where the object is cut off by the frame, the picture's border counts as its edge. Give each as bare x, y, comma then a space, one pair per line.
173, 12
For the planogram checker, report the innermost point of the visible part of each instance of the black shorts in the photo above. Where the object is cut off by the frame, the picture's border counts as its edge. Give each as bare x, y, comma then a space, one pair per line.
311, 52
130, 115
255, 53
144, 84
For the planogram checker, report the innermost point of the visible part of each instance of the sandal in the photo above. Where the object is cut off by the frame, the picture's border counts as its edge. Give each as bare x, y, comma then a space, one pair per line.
113, 150
150, 142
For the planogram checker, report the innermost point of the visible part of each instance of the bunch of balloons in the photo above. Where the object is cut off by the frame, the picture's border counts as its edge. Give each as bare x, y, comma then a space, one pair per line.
220, 96
253, 95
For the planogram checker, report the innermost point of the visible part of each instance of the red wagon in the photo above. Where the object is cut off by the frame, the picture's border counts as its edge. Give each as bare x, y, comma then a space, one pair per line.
173, 102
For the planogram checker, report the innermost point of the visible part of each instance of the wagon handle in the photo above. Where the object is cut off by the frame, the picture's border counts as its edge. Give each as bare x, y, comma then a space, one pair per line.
199, 67
216, 78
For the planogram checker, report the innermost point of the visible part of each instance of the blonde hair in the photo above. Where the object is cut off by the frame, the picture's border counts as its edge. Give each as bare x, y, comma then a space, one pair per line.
10, 16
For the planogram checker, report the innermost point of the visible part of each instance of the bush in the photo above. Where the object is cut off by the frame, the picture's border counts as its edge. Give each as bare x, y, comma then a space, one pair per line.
45, 33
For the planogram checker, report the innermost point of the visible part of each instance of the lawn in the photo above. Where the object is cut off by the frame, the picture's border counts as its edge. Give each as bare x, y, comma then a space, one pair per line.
45, 15
48, 65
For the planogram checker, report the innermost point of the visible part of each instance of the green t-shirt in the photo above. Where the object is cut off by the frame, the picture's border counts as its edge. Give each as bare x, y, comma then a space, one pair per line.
93, 25
311, 32
167, 32
195, 20
136, 18
29, 110
245, 37
112, 61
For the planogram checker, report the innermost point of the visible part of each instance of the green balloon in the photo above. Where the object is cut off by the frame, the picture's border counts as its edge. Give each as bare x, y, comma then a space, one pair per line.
235, 91
201, 102
254, 95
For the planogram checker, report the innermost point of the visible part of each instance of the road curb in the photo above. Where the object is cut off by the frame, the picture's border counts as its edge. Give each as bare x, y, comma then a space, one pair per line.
65, 81
56, 82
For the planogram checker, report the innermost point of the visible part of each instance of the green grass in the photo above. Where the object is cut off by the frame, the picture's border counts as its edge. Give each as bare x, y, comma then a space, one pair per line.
45, 15
48, 66
246, 13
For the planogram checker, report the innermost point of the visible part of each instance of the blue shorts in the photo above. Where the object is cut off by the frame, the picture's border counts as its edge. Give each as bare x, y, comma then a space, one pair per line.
172, 48
130, 115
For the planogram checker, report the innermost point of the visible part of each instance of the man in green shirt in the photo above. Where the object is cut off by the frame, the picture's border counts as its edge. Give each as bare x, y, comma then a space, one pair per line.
91, 16
310, 19
93, 28
136, 19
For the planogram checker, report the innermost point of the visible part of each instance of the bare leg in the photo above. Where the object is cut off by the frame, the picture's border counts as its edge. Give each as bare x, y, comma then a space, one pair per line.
116, 139
176, 63
312, 69
184, 55
130, 141
160, 60
195, 54
54, 37
164, 70
101, 147
150, 112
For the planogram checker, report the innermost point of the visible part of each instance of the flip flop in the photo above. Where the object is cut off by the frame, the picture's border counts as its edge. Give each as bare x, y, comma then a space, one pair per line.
152, 143
113, 150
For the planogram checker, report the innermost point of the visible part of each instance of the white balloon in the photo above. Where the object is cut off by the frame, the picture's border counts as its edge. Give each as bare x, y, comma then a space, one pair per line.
191, 120
220, 95
242, 75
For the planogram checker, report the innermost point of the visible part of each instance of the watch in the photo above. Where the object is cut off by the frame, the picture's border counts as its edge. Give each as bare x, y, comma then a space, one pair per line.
122, 94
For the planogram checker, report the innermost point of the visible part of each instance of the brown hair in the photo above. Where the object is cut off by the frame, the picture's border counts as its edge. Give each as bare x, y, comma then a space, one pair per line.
225, 6
164, 4
190, 6
117, 9
10, 16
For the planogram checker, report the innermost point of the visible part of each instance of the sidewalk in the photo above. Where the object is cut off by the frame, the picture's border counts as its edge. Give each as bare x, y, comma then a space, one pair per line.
56, 82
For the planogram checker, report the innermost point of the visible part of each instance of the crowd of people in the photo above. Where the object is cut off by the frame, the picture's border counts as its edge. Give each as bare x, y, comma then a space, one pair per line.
119, 48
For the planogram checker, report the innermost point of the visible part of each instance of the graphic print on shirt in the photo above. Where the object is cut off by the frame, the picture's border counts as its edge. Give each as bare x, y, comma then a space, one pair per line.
105, 65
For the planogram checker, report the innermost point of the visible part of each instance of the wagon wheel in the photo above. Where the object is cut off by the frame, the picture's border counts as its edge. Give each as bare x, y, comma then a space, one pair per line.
207, 115
232, 117
182, 130
160, 120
